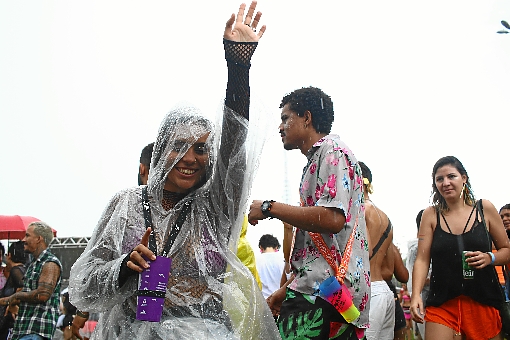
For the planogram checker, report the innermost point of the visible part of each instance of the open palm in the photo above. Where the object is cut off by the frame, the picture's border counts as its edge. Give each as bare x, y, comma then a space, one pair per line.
243, 29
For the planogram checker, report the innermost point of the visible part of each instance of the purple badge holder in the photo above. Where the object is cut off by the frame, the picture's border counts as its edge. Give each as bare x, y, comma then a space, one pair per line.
152, 288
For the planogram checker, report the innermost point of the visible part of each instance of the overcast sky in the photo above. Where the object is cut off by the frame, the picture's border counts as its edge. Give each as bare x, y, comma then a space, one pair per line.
85, 84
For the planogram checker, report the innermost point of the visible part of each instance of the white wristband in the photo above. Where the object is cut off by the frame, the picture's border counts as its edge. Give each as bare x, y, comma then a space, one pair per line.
493, 257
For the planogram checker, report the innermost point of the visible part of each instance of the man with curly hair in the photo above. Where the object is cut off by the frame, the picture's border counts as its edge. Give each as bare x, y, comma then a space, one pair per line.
330, 242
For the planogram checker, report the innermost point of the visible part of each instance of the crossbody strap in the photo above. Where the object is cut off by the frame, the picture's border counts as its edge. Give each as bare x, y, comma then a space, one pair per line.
340, 271
383, 238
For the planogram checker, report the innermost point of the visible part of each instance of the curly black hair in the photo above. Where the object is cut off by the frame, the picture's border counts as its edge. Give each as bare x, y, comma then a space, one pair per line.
314, 100
268, 240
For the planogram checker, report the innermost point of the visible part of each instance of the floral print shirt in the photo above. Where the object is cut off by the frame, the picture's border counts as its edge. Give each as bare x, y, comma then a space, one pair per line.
332, 178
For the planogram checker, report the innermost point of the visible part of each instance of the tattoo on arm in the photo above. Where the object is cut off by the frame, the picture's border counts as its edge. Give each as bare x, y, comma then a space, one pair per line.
45, 287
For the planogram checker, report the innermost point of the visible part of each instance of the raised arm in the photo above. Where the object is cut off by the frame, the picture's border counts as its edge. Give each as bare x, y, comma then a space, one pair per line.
240, 40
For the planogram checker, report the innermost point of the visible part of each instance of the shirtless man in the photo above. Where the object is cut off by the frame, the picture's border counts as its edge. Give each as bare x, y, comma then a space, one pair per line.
382, 303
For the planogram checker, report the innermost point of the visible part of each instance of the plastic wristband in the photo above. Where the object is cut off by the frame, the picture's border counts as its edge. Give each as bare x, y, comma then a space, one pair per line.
493, 257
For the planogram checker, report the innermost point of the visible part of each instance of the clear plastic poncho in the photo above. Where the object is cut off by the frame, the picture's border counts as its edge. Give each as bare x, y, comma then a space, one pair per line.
210, 294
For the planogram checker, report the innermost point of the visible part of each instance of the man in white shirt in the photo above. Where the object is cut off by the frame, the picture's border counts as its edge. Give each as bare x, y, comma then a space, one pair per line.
270, 264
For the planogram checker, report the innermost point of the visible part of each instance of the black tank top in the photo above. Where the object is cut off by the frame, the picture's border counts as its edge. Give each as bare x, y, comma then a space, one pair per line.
447, 281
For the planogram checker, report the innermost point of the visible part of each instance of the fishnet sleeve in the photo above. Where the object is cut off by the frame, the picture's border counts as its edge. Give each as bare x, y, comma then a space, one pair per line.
238, 56
231, 163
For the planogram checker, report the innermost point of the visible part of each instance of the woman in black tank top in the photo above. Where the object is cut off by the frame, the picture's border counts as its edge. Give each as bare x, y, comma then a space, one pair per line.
460, 302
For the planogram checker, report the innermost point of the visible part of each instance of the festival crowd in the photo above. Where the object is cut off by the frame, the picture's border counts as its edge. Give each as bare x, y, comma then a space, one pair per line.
168, 258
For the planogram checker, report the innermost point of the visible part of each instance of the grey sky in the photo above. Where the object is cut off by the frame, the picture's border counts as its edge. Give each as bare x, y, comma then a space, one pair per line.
84, 86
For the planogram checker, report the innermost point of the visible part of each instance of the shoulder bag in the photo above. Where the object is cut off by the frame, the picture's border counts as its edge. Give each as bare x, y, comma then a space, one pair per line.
333, 289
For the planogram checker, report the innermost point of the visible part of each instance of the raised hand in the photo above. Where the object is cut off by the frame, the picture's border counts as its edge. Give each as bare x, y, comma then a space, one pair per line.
244, 29
136, 260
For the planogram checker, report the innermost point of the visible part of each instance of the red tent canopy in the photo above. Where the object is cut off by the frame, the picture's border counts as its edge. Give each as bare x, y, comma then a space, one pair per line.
14, 227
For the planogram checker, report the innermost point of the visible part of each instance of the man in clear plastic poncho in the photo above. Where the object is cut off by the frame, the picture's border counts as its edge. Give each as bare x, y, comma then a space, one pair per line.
209, 294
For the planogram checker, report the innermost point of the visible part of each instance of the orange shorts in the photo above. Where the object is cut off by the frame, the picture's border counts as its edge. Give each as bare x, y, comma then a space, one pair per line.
465, 315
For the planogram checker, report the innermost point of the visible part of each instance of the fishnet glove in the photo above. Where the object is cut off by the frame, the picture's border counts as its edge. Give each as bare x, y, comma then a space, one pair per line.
238, 56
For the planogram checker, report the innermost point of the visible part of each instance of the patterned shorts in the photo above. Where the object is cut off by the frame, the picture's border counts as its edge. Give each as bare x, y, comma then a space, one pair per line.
305, 316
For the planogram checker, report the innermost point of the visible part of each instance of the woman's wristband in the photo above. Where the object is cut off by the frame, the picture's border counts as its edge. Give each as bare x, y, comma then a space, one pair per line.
493, 257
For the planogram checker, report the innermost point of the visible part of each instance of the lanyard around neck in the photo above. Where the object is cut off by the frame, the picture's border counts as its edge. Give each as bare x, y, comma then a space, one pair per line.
173, 233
